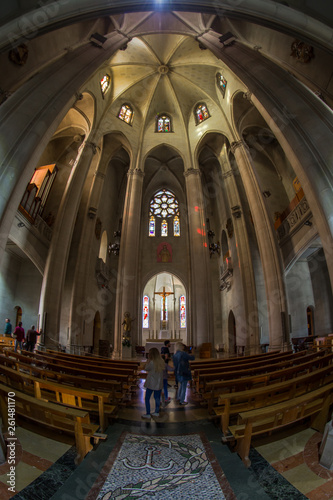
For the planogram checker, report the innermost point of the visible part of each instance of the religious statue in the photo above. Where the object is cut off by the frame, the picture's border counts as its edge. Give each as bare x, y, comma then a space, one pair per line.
127, 324
165, 254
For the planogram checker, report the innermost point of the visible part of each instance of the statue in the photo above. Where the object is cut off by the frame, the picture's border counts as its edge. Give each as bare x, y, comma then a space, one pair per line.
127, 324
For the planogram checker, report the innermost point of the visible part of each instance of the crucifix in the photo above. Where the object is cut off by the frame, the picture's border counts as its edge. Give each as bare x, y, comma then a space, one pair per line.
164, 294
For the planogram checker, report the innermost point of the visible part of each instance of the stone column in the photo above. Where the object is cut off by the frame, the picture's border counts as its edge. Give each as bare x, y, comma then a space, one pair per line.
79, 291
269, 252
127, 286
32, 114
200, 306
248, 325
56, 263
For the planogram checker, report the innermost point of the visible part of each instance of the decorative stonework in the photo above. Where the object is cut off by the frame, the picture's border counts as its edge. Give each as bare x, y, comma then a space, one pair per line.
295, 219
161, 467
302, 51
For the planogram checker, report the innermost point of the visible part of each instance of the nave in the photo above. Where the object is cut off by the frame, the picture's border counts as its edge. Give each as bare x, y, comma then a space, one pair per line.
284, 465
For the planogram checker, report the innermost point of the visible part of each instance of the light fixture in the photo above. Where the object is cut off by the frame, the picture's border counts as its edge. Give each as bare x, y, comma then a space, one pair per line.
307, 223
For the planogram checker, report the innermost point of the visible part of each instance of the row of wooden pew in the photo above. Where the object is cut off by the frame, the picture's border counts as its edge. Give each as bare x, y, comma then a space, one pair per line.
64, 393
262, 393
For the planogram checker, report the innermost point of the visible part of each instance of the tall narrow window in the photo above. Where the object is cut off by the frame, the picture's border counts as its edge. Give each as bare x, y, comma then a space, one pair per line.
201, 113
152, 226
164, 228
182, 312
145, 312
105, 84
163, 123
176, 226
165, 310
222, 83
126, 113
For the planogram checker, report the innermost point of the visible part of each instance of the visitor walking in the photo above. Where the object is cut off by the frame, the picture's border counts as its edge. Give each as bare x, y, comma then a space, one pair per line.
31, 338
154, 381
182, 370
8, 328
18, 335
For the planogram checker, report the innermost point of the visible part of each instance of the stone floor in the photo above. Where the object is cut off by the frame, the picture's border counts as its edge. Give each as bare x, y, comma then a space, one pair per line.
284, 466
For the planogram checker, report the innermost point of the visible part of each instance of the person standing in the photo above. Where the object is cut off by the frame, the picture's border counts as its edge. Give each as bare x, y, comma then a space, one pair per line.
31, 338
165, 350
182, 370
154, 381
18, 335
167, 369
8, 328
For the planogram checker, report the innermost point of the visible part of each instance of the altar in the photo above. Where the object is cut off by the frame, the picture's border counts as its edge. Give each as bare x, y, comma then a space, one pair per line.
158, 343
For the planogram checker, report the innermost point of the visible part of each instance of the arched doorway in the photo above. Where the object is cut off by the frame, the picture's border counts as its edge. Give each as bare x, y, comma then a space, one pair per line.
18, 315
96, 332
232, 334
164, 313
309, 318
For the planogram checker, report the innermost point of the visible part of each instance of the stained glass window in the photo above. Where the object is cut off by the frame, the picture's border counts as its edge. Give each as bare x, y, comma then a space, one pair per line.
166, 308
126, 113
105, 84
163, 124
182, 312
145, 312
164, 228
221, 82
152, 226
176, 226
164, 204
201, 113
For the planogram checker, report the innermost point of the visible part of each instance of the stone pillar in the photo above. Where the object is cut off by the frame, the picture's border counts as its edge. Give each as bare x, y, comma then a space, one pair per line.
79, 290
56, 263
31, 116
269, 252
249, 323
200, 306
127, 286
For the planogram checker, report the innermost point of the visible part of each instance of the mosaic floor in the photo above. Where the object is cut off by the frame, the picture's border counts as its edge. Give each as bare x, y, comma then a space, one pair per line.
284, 466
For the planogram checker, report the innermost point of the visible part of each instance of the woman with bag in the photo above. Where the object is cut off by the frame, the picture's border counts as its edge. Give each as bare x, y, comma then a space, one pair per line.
154, 381
182, 370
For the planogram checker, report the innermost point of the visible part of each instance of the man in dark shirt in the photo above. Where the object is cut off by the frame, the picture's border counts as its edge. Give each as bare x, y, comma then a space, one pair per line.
165, 351
31, 338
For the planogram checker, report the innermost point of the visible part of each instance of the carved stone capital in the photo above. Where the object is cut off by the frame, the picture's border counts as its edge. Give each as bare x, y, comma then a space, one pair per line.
135, 171
93, 147
248, 96
191, 171
237, 144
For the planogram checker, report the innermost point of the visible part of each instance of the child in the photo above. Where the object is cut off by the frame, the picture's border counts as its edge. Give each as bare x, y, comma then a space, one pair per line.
154, 381
167, 369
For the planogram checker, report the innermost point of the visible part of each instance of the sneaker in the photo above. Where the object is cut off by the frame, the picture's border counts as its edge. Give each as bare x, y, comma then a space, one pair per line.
155, 414
146, 415
183, 403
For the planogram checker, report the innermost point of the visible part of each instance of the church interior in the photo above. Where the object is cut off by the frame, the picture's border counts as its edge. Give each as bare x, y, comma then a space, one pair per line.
166, 174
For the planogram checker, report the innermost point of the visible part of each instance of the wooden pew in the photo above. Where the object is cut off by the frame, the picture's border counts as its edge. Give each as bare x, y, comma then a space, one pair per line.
113, 387
235, 359
126, 378
233, 403
218, 371
256, 370
92, 401
91, 359
314, 404
51, 415
217, 387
